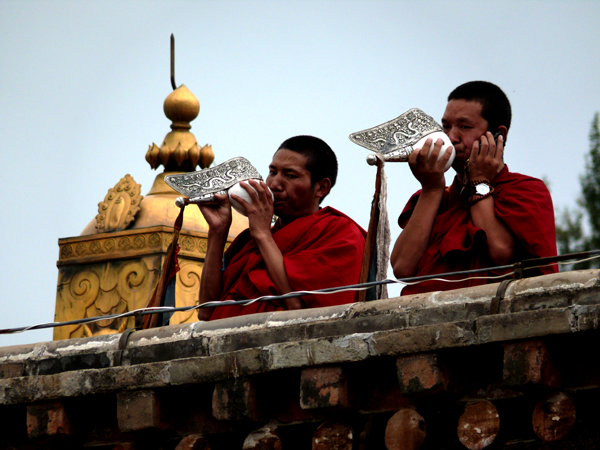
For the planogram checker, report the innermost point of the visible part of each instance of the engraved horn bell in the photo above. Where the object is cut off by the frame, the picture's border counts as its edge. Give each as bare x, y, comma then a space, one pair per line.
396, 139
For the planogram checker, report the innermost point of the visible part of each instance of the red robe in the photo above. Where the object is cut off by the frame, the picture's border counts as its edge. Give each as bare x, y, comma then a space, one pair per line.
321, 250
524, 205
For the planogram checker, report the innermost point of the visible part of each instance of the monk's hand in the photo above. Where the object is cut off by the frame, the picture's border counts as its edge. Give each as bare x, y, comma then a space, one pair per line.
426, 167
260, 211
485, 161
217, 215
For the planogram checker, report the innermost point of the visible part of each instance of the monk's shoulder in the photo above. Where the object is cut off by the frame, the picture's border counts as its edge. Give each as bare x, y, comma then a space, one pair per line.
521, 183
338, 219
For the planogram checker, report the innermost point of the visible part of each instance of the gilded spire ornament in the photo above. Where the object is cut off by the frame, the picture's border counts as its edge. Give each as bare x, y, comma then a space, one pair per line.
115, 264
180, 150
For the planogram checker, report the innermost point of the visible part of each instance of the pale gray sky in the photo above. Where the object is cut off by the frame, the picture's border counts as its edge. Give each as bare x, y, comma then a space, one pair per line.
82, 85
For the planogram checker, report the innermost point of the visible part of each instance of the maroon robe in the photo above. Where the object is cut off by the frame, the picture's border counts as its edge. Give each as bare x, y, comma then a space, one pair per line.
319, 251
522, 203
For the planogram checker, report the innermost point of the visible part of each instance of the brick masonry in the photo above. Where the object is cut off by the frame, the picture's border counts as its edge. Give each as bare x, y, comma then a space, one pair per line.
360, 374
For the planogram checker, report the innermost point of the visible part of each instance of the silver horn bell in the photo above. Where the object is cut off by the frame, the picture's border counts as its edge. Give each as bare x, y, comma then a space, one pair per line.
396, 139
203, 185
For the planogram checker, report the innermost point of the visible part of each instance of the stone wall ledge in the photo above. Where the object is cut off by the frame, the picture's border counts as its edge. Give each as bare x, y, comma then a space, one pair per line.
557, 304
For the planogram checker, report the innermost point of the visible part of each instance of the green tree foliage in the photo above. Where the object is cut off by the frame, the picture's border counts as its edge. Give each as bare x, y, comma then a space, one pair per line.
590, 184
570, 233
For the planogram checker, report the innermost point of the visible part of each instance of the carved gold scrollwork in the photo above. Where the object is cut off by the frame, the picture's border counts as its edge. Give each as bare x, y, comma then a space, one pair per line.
96, 247
84, 287
188, 244
108, 303
66, 251
109, 245
81, 249
139, 241
124, 243
189, 277
188, 286
134, 284
75, 292
154, 240
101, 289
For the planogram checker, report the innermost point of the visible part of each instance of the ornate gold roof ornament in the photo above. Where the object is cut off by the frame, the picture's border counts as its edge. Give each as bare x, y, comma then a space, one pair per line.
120, 206
115, 264
180, 150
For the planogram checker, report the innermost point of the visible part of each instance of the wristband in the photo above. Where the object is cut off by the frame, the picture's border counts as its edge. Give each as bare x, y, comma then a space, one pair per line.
480, 189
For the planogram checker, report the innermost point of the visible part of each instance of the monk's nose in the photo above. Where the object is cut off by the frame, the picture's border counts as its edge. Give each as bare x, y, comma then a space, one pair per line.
274, 182
452, 133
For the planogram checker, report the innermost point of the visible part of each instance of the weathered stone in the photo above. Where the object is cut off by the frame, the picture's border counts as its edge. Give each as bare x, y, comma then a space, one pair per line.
69, 363
211, 330
214, 368
478, 426
318, 351
586, 317
12, 370
145, 376
139, 410
421, 339
235, 399
450, 312
242, 339
48, 420
554, 417
323, 387
523, 325
529, 362
420, 373
164, 351
405, 430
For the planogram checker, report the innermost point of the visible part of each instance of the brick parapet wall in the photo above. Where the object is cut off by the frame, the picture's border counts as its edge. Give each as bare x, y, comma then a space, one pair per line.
337, 367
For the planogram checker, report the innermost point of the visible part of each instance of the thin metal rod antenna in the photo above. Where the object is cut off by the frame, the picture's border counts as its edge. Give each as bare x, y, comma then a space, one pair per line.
173, 62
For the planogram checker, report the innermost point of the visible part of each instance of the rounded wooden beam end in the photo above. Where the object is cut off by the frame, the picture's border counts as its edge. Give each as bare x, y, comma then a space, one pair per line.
554, 417
479, 425
333, 435
405, 430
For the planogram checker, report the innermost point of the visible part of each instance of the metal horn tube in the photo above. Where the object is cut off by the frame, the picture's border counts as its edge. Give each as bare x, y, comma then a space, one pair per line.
387, 157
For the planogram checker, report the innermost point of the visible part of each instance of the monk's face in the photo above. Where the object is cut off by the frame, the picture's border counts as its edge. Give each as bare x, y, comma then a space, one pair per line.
464, 125
289, 180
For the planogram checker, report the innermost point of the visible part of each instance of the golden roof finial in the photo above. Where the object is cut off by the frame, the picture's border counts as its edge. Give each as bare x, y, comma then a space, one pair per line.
180, 150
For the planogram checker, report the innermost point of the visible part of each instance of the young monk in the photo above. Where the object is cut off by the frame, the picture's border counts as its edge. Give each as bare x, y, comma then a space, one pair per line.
489, 216
308, 248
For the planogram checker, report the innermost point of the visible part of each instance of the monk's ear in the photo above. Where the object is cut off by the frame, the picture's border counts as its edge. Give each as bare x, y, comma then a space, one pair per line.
322, 187
503, 130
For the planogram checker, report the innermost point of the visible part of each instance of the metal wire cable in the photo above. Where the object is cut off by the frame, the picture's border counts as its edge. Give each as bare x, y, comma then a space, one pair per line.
560, 260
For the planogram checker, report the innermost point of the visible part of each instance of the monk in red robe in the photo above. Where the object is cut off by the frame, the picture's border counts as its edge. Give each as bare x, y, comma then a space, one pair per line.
309, 247
488, 217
